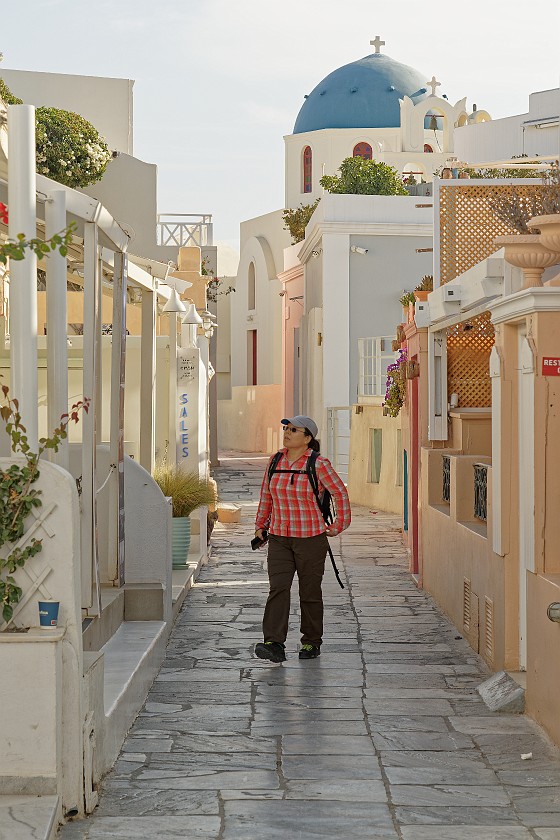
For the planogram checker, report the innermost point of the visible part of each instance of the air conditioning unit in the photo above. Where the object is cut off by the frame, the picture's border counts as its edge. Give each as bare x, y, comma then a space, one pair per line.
452, 294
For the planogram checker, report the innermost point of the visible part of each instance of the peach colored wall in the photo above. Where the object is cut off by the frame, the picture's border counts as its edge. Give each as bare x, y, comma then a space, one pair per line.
455, 547
543, 654
75, 304
250, 420
471, 431
386, 495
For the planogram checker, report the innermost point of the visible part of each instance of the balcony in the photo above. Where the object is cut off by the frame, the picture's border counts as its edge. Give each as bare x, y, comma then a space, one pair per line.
185, 229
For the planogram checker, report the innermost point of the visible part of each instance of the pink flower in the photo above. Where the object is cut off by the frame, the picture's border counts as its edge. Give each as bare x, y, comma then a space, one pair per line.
3, 213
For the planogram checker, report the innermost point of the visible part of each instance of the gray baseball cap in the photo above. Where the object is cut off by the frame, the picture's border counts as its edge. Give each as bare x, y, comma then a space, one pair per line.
301, 421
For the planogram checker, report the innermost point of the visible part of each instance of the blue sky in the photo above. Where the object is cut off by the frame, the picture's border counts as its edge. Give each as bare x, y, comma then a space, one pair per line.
219, 82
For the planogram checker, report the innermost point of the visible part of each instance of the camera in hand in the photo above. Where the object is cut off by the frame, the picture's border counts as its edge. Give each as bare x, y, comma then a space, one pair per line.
256, 542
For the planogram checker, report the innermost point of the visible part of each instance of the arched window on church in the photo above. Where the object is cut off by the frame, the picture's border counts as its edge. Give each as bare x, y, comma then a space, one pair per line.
363, 150
428, 148
307, 170
251, 296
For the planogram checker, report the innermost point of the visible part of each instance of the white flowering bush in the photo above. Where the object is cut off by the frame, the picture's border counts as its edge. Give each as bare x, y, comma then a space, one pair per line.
69, 149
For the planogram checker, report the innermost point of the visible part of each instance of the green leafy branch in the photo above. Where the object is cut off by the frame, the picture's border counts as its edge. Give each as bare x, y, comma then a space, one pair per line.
15, 250
17, 495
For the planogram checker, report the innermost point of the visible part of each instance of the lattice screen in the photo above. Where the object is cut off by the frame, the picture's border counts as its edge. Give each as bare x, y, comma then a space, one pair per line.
468, 226
469, 345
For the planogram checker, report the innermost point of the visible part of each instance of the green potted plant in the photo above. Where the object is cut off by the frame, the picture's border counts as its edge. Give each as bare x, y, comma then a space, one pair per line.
188, 491
422, 290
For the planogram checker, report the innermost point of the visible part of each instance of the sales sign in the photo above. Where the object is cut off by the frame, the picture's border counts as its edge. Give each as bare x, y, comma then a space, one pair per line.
550, 366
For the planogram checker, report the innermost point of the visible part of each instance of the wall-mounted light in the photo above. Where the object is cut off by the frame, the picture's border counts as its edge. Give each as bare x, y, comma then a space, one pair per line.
356, 249
317, 252
553, 611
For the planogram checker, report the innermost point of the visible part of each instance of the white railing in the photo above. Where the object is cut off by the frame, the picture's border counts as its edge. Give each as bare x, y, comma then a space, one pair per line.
182, 229
375, 355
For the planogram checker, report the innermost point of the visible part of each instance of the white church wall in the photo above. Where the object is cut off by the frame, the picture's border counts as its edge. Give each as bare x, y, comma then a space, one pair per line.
106, 103
331, 146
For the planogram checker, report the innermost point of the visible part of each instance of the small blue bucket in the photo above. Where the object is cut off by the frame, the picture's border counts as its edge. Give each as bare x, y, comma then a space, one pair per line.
48, 613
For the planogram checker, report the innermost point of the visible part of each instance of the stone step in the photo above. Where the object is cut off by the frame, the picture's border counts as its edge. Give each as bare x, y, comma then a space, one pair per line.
28, 817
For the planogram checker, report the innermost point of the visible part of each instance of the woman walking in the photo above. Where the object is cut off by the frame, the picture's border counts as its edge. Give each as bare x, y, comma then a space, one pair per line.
297, 538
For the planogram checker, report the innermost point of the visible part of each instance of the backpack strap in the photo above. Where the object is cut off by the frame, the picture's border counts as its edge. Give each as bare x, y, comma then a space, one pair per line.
311, 471
273, 465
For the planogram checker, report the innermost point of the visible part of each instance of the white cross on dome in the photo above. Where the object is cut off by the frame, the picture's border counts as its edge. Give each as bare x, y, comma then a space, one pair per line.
433, 83
377, 43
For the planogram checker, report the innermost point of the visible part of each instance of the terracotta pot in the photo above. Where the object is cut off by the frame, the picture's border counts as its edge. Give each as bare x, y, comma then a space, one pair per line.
527, 252
421, 295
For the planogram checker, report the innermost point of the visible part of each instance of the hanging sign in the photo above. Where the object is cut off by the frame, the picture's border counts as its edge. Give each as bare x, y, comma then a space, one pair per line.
550, 366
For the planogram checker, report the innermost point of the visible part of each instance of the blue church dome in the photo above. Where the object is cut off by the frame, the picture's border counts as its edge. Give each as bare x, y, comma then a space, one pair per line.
363, 94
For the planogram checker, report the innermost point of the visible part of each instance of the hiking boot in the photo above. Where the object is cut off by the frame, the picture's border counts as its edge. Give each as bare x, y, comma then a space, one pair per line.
309, 652
273, 651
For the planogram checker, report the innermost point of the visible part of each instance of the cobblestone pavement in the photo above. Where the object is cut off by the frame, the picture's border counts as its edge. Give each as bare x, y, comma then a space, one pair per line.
382, 737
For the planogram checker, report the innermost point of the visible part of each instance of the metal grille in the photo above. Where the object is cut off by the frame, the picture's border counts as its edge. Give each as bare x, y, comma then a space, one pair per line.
468, 226
446, 476
480, 490
489, 629
466, 604
469, 345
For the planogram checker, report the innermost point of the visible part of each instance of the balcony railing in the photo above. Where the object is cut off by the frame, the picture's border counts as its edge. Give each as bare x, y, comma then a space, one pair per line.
182, 229
480, 491
446, 476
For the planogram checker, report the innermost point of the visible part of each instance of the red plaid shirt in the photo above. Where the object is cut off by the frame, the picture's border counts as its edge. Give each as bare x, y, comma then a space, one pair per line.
288, 507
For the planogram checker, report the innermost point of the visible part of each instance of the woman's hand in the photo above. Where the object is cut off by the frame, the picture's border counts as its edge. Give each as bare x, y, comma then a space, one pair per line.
329, 531
259, 533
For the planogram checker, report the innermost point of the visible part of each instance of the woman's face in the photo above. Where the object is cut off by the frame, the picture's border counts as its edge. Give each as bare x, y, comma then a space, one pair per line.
295, 437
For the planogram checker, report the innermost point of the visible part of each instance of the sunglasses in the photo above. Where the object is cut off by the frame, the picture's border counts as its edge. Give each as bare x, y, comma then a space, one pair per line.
293, 429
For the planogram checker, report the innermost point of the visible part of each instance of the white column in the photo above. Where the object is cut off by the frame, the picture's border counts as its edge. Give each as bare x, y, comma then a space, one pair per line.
116, 442
88, 422
23, 274
57, 344
336, 323
172, 424
148, 378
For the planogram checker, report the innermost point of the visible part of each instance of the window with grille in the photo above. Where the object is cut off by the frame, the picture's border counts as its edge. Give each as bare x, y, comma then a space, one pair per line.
363, 150
307, 170
375, 355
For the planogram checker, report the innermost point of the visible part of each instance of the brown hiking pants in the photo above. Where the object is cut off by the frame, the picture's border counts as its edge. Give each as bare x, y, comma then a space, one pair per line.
286, 556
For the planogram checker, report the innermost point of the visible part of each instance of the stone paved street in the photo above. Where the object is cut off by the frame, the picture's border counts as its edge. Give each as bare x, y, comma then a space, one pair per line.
382, 737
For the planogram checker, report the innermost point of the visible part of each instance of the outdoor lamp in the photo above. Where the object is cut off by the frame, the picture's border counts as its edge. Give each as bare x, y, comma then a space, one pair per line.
191, 316
174, 304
